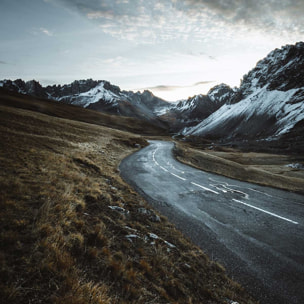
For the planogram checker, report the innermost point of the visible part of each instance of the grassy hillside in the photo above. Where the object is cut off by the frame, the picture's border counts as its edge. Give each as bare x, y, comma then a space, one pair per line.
59, 109
73, 232
273, 170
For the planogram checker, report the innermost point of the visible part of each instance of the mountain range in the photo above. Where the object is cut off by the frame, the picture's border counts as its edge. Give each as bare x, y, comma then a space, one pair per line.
268, 104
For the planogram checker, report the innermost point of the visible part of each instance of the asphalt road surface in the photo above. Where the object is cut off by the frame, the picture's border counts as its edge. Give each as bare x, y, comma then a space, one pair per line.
256, 232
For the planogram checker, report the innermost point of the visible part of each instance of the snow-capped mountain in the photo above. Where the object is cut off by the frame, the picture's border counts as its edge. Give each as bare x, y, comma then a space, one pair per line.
190, 112
269, 102
111, 99
83, 93
98, 95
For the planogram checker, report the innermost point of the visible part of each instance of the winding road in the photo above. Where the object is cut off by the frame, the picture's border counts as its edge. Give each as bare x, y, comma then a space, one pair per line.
256, 232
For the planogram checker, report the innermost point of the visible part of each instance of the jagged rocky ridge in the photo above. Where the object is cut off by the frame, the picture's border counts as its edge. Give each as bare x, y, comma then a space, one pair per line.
268, 103
98, 95
189, 113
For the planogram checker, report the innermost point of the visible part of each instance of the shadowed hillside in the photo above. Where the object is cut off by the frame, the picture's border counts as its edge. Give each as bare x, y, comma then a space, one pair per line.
73, 232
59, 109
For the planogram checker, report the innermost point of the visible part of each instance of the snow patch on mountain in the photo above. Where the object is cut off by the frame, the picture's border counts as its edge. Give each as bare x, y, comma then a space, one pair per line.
268, 103
186, 105
282, 69
221, 93
162, 110
94, 95
262, 104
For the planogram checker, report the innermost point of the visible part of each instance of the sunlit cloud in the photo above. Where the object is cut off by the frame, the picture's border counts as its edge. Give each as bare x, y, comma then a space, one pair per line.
176, 92
149, 20
175, 87
46, 32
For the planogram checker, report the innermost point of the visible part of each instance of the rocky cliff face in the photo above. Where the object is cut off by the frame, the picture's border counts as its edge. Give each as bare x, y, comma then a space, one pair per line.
74, 88
190, 112
31, 87
269, 102
281, 70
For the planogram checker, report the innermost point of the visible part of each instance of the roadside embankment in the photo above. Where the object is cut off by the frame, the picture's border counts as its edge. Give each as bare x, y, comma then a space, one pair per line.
258, 168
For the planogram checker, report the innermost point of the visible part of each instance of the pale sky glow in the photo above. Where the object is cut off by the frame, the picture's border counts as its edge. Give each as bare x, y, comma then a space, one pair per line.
140, 44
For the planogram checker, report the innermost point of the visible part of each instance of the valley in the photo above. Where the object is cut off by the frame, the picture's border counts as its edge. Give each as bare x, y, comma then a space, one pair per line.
73, 230
267, 106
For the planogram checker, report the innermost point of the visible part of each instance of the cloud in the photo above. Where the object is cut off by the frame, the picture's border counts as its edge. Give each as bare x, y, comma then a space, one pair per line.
46, 32
162, 88
202, 83
3, 62
117, 61
150, 21
178, 92
254, 13
175, 87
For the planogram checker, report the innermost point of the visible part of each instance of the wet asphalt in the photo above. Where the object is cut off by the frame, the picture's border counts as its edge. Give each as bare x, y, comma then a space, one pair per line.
256, 232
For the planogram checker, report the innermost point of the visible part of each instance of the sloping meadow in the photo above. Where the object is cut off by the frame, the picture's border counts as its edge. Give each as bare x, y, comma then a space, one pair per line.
73, 232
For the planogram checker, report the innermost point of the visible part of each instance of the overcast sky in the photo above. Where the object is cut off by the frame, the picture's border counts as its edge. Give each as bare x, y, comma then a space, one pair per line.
175, 48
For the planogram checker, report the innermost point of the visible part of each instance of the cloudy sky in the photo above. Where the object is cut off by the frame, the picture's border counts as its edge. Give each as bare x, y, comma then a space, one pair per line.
176, 48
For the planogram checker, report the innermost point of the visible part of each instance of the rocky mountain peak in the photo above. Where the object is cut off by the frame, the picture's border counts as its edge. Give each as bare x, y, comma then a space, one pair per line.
76, 87
269, 101
282, 70
34, 88
113, 88
221, 93
147, 93
31, 87
268, 104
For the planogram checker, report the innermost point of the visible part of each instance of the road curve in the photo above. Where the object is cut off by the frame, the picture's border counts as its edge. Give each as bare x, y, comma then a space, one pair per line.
256, 232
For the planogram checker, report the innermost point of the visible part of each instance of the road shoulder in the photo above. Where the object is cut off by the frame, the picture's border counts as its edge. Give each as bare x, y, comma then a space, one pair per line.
258, 168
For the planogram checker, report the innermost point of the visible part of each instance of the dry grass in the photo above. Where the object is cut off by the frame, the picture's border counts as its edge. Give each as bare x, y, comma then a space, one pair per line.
260, 168
58, 109
73, 232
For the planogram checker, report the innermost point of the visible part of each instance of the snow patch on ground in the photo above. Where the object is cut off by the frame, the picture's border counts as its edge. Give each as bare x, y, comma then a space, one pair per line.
132, 236
119, 209
150, 237
295, 166
153, 236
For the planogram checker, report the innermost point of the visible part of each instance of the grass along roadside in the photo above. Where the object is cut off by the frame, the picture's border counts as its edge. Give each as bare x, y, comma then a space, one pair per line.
260, 168
73, 232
